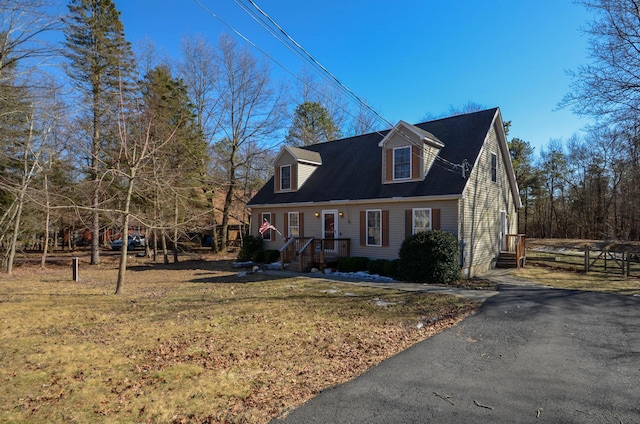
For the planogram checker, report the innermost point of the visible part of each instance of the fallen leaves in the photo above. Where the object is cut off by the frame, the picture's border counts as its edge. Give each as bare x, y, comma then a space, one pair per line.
171, 350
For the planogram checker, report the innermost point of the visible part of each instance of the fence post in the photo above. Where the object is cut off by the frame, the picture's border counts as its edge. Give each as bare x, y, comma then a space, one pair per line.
74, 269
628, 259
586, 259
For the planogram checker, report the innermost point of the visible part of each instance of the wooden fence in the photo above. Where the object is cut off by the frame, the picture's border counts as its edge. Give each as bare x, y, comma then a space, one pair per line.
623, 262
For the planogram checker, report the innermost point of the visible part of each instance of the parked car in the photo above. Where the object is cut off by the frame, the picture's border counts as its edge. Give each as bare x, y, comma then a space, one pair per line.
133, 241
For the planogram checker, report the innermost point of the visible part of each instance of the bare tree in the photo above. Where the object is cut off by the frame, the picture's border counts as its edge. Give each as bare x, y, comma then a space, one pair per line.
608, 88
22, 24
200, 71
251, 114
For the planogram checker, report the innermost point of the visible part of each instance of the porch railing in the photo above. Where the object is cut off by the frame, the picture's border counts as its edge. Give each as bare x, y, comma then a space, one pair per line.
302, 253
516, 244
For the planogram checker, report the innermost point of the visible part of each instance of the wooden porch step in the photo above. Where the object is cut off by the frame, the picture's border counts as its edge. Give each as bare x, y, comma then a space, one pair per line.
507, 260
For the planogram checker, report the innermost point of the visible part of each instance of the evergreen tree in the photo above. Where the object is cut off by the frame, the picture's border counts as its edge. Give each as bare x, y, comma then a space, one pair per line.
100, 62
311, 124
178, 165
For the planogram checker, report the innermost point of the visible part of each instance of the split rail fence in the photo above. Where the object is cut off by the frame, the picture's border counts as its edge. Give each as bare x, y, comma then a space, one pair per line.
624, 262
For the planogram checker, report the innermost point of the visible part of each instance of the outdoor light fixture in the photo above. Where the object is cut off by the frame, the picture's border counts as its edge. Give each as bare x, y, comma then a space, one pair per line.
340, 214
317, 214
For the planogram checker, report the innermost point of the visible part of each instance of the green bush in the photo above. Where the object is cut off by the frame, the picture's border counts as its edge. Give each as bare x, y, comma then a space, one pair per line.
271, 256
429, 256
259, 256
376, 266
390, 269
353, 264
250, 245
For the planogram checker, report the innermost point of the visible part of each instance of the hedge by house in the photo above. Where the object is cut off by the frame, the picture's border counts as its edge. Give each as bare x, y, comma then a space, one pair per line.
430, 257
250, 245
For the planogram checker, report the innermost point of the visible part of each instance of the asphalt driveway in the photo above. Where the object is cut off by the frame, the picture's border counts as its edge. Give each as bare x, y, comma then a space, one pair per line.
529, 355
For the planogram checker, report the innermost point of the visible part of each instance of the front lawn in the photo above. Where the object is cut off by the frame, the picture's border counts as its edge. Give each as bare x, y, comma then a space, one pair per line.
193, 342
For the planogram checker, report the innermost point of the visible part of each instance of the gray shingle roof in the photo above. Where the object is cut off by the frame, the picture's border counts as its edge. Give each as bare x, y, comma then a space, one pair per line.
305, 155
352, 167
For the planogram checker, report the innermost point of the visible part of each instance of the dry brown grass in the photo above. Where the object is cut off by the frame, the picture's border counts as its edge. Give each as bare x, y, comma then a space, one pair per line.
192, 342
592, 281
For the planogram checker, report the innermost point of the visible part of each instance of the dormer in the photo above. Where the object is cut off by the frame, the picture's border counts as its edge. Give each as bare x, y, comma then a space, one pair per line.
293, 166
408, 153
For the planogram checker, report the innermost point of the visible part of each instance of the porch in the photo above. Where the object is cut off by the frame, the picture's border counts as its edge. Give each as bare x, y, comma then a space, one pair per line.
514, 252
303, 253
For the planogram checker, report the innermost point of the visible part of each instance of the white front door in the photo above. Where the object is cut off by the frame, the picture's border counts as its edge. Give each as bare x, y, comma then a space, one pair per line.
330, 227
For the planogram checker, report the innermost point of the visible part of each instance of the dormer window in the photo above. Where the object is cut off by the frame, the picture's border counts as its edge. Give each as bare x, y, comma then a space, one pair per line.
402, 163
285, 177
407, 153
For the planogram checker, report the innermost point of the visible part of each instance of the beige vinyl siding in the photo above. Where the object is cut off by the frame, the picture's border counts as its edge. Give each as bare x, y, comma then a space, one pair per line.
448, 222
482, 202
285, 159
349, 223
304, 172
429, 154
407, 138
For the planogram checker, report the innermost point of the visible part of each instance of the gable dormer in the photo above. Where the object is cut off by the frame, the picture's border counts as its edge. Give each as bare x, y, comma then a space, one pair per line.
293, 166
408, 153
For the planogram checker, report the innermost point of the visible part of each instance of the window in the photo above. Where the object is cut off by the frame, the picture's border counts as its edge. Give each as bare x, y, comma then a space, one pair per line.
267, 234
402, 163
494, 167
421, 220
374, 228
285, 177
294, 224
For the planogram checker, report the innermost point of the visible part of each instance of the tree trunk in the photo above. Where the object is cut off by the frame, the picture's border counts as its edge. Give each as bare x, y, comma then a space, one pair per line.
165, 252
122, 269
228, 200
46, 223
14, 237
175, 229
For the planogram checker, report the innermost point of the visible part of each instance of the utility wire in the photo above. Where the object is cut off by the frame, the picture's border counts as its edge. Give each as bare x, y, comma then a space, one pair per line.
273, 28
302, 52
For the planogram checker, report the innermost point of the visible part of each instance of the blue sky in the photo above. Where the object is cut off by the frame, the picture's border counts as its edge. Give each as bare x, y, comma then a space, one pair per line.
409, 58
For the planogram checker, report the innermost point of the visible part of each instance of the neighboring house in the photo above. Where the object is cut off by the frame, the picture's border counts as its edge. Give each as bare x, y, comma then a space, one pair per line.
367, 193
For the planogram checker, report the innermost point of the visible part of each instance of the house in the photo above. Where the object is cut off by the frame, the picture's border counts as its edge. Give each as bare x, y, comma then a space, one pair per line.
363, 195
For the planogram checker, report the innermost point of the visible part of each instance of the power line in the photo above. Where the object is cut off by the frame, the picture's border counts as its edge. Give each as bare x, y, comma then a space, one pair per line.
302, 52
273, 28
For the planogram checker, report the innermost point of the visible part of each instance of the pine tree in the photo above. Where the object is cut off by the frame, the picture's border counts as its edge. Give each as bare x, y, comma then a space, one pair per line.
179, 163
100, 63
311, 124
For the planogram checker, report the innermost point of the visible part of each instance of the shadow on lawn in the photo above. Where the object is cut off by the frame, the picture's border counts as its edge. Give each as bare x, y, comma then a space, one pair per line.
212, 272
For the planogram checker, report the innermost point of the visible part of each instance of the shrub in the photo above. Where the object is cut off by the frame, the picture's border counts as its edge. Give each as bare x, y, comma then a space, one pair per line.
353, 264
429, 256
259, 256
250, 245
271, 256
376, 266
390, 269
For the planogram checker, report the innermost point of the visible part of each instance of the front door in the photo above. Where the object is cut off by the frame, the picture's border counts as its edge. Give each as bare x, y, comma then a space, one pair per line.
504, 229
329, 228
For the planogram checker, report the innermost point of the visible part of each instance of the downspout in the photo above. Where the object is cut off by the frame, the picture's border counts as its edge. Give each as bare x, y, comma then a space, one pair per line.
463, 243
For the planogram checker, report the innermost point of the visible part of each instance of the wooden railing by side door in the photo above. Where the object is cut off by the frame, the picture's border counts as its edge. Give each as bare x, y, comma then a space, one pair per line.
516, 244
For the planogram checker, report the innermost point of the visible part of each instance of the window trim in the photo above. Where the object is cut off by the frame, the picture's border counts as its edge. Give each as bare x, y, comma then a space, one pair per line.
267, 234
413, 219
493, 168
408, 177
289, 226
282, 180
379, 244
